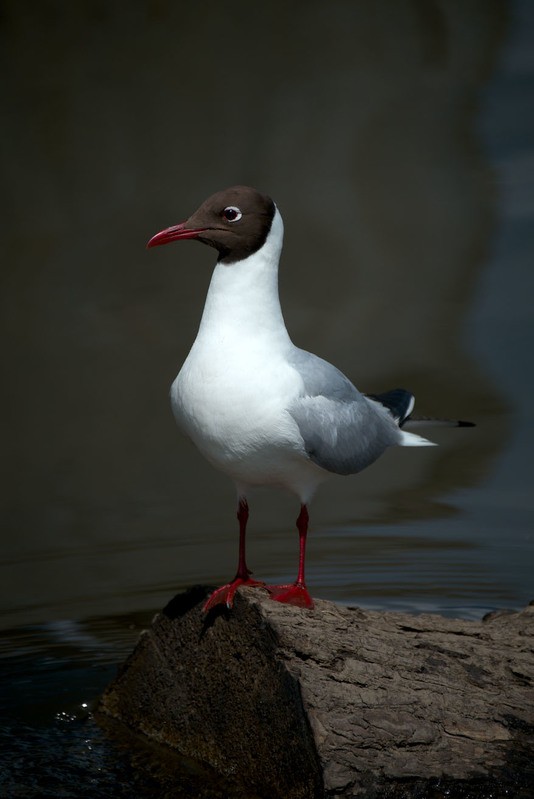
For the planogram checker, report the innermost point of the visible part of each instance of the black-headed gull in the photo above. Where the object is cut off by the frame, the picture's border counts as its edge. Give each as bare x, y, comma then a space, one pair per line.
258, 408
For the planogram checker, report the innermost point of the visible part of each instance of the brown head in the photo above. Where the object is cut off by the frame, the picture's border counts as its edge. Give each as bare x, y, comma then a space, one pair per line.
236, 221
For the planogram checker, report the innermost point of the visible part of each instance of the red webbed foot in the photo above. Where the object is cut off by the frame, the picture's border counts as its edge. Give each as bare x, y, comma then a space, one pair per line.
291, 594
225, 594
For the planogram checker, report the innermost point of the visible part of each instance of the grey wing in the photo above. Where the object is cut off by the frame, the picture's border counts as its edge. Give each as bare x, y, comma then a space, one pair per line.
343, 431
321, 378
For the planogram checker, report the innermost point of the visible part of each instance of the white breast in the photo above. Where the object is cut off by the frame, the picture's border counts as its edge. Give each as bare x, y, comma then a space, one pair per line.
235, 415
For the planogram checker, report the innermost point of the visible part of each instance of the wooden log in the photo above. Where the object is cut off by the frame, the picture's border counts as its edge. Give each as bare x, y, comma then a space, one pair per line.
337, 701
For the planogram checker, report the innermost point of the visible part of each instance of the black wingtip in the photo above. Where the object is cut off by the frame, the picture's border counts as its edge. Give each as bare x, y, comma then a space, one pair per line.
398, 401
432, 421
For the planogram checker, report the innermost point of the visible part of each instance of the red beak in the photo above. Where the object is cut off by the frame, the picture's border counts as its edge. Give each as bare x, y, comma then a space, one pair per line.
174, 233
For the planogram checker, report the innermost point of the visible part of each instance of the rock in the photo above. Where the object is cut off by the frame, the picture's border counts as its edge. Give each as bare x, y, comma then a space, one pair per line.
336, 701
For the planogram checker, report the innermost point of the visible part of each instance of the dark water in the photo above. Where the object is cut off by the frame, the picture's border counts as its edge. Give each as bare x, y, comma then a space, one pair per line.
397, 140
51, 676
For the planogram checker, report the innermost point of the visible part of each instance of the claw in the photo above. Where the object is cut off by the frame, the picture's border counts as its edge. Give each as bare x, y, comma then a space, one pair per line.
225, 594
291, 594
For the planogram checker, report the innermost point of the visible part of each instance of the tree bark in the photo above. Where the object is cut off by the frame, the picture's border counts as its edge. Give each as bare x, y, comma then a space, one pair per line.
336, 701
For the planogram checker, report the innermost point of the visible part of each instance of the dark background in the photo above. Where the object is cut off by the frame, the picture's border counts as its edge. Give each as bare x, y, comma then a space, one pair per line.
396, 139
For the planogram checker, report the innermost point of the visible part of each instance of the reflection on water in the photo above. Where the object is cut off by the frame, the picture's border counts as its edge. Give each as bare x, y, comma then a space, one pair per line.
51, 746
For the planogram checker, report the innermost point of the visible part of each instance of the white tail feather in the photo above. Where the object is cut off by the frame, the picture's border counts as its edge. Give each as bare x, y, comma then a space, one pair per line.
412, 440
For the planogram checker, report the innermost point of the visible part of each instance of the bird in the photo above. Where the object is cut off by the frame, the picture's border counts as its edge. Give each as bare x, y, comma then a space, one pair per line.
260, 409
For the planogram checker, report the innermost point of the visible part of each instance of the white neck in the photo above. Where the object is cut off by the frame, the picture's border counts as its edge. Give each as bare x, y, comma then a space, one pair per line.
243, 299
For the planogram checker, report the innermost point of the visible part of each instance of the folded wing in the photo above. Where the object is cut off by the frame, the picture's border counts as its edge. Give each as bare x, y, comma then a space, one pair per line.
343, 430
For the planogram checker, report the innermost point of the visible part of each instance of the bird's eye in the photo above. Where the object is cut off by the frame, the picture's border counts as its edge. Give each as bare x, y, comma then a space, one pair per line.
232, 214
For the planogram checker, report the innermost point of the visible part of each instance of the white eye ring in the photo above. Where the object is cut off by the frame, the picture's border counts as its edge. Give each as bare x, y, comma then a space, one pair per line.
232, 213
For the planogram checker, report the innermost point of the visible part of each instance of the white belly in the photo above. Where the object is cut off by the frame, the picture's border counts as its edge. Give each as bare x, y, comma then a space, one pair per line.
238, 419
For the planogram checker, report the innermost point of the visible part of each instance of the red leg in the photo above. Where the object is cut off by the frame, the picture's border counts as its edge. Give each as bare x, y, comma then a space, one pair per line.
225, 594
296, 593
